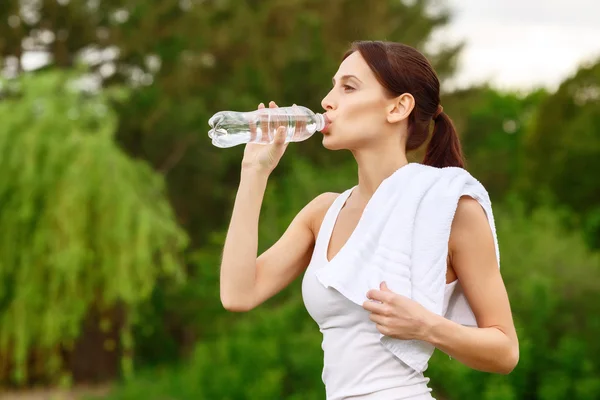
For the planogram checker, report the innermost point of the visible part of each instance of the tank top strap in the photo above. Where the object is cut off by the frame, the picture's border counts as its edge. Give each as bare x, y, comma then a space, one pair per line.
328, 223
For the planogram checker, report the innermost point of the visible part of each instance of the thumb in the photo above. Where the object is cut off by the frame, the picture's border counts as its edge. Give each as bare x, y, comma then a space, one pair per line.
280, 136
383, 286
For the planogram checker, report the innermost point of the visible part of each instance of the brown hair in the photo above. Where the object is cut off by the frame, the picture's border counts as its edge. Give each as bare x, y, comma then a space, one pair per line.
402, 69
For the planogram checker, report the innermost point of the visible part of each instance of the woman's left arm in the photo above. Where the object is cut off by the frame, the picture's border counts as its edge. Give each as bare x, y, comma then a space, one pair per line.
493, 345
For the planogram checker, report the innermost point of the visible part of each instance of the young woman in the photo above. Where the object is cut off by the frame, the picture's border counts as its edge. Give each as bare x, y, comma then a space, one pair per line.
384, 99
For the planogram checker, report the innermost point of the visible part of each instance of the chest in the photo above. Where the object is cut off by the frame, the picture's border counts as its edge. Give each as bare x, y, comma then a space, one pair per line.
345, 224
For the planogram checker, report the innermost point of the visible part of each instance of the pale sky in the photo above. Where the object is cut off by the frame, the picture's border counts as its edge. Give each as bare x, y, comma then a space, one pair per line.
513, 44
523, 44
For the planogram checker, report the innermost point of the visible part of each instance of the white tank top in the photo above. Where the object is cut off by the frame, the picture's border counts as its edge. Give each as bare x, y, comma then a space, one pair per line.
356, 365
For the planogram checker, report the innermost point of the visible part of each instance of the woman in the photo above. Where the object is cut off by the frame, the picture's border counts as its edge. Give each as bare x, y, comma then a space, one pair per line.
384, 98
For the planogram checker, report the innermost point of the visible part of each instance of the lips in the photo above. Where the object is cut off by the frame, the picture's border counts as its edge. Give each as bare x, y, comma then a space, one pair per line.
327, 124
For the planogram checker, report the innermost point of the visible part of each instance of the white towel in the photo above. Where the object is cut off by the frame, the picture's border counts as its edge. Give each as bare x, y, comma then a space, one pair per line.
402, 239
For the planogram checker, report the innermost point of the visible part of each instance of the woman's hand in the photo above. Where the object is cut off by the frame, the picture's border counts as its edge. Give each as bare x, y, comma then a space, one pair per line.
397, 316
265, 157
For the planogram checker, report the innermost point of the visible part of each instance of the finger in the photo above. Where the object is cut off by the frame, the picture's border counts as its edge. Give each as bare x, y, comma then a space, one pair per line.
375, 307
300, 125
264, 127
276, 120
279, 136
383, 329
252, 125
379, 295
379, 319
269, 125
383, 286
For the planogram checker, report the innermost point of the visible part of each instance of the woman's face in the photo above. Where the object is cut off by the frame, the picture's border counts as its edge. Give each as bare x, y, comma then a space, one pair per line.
357, 107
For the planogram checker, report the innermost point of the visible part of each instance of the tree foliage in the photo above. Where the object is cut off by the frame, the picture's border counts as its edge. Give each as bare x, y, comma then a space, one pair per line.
83, 226
89, 234
187, 59
563, 150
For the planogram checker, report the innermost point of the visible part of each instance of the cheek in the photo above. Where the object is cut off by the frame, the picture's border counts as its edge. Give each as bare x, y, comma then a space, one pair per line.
363, 113
359, 119
360, 124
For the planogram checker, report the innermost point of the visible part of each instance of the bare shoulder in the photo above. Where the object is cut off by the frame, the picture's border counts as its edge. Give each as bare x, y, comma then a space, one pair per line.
470, 217
471, 238
316, 209
469, 207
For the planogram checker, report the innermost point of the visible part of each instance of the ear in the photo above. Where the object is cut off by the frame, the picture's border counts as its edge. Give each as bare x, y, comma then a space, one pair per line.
400, 108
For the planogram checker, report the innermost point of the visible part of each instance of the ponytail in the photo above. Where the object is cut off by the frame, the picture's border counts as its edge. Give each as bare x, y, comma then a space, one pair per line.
444, 149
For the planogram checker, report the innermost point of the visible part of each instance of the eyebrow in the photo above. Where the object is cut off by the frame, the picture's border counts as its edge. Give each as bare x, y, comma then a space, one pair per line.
346, 77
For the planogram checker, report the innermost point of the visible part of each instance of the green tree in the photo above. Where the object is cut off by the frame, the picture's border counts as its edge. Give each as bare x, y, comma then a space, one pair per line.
84, 228
492, 126
187, 59
562, 150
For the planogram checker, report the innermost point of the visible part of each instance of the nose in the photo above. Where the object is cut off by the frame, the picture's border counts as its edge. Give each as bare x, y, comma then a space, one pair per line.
327, 102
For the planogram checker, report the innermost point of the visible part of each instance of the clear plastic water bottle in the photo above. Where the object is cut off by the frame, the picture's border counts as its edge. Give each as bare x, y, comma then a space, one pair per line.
230, 128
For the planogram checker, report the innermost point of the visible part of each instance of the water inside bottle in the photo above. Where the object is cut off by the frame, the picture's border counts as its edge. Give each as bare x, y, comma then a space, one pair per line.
232, 129
226, 131
221, 138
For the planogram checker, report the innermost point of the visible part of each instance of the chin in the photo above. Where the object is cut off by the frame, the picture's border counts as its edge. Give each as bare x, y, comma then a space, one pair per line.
331, 144
343, 142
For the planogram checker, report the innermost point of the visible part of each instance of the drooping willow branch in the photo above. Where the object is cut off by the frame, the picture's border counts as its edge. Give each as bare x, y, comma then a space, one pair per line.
81, 223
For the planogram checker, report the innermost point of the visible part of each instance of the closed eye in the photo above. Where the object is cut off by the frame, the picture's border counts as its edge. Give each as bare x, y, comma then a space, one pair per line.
346, 87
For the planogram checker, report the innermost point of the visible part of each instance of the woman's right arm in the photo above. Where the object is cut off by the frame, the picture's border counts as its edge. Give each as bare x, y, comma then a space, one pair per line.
247, 280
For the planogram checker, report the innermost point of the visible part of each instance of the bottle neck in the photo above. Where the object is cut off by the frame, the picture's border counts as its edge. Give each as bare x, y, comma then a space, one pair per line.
320, 121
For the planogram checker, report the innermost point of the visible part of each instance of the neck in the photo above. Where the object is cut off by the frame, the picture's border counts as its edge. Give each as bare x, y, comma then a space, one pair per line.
375, 165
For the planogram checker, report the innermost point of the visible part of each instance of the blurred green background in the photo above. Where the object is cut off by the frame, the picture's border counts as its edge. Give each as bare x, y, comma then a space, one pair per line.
114, 205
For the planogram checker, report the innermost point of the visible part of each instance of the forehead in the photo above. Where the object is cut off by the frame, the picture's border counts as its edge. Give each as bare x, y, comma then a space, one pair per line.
356, 65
